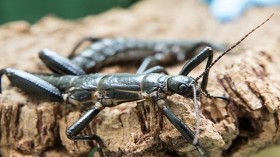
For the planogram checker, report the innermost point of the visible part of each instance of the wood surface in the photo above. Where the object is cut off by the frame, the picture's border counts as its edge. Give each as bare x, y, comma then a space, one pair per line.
236, 128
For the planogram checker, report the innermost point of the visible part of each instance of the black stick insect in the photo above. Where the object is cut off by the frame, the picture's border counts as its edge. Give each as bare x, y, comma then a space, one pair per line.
108, 51
109, 90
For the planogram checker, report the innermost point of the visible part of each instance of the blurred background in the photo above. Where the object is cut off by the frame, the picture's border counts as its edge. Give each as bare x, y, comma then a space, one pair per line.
33, 10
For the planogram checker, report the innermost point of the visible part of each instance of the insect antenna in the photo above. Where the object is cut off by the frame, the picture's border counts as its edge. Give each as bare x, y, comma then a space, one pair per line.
197, 130
232, 47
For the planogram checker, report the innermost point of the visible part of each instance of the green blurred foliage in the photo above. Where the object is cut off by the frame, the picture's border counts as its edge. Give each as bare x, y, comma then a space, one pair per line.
33, 10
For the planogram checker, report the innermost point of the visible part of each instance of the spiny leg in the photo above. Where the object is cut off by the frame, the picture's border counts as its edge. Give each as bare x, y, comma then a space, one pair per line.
31, 84
59, 64
194, 62
73, 131
83, 40
183, 129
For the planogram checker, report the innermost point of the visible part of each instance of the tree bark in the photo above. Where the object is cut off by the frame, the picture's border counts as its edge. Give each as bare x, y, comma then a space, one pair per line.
236, 128
239, 127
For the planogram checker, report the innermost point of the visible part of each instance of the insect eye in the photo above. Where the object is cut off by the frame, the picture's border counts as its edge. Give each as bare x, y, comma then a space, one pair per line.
182, 87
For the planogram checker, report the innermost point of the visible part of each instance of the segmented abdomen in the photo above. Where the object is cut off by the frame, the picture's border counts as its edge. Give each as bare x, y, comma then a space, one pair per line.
110, 51
115, 50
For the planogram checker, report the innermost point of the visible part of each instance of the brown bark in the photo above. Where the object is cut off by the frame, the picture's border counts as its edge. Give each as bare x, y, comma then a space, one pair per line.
237, 128
240, 127
246, 124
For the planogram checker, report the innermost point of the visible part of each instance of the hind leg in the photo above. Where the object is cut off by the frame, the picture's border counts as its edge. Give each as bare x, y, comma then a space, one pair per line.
31, 84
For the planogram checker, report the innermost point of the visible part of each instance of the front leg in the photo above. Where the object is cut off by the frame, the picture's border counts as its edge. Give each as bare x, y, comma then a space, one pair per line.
31, 84
184, 130
194, 62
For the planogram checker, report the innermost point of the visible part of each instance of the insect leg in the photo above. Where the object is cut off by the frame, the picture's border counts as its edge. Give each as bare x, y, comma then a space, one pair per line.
59, 64
157, 57
147, 62
73, 131
217, 47
194, 62
155, 69
183, 129
32, 84
90, 39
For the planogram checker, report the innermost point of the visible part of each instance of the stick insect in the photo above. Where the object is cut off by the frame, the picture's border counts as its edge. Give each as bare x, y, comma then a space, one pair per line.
109, 90
108, 51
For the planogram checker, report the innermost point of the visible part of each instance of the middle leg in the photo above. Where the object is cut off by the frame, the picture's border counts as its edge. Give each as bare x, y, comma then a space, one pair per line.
75, 129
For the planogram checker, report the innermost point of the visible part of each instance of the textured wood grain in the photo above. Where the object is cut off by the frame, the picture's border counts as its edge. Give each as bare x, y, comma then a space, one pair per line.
248, 123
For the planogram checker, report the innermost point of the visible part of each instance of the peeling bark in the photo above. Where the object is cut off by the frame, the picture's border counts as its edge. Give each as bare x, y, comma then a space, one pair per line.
237, 128
240, 127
